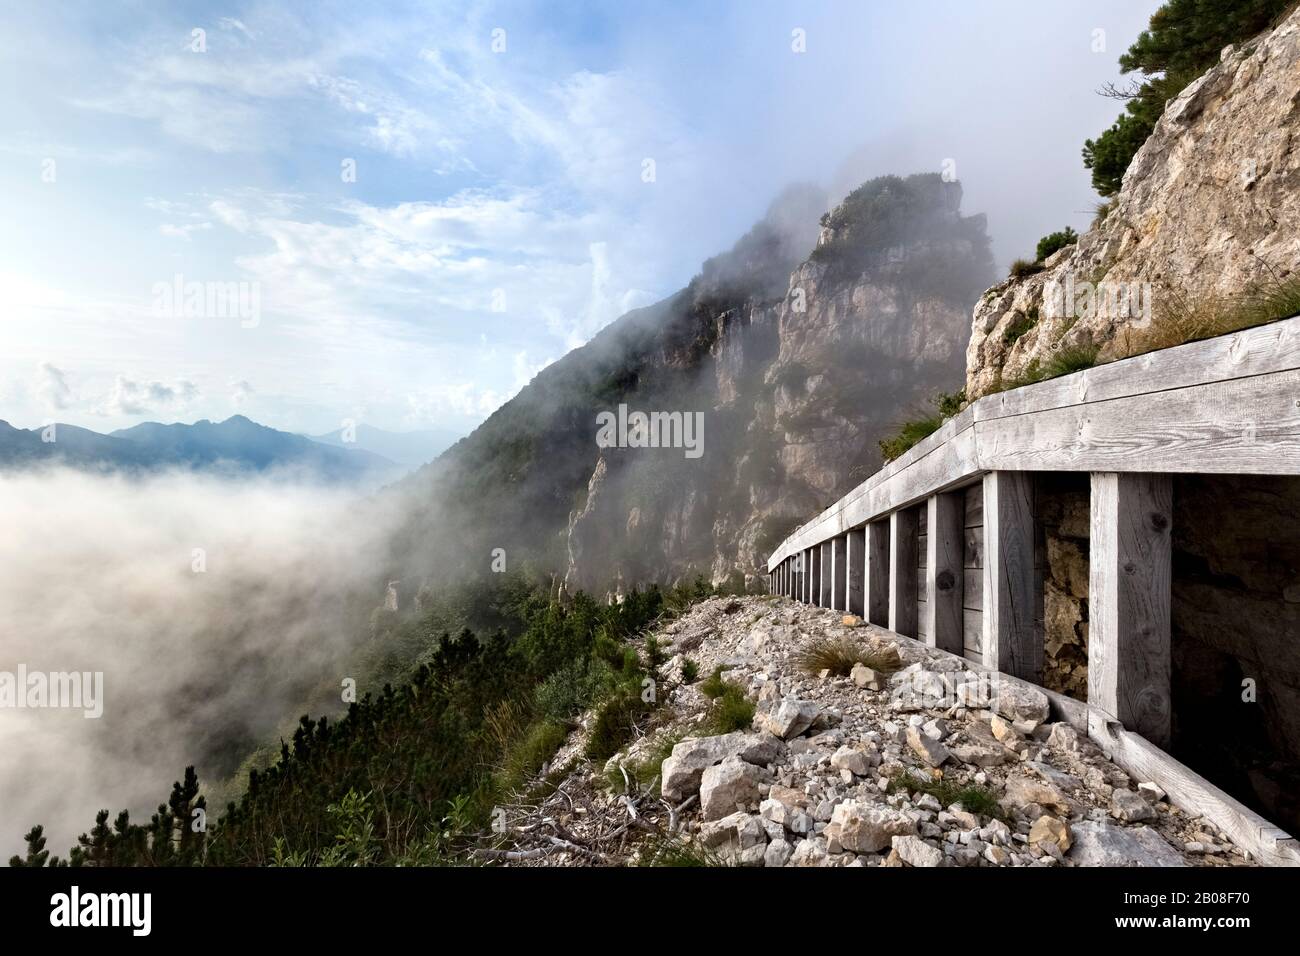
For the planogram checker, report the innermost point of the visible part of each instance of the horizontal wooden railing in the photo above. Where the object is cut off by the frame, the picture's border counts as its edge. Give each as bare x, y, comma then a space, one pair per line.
942, 544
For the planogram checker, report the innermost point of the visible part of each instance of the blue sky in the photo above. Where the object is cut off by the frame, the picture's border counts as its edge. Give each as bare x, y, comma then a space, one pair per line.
499, 214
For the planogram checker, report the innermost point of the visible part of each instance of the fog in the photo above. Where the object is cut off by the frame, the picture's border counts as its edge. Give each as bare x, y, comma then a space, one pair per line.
204, 653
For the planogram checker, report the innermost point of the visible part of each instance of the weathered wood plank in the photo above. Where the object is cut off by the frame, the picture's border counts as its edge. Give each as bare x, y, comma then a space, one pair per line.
902, 572
877, 597
973, 593
944, 573
974, 505
1248, 427
838, 546
973, 548
855, 562
1129, 601
1259, 351
1013, 592
972, 631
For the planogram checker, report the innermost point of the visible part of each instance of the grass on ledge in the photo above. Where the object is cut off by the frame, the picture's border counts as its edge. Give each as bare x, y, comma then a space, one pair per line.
839, 655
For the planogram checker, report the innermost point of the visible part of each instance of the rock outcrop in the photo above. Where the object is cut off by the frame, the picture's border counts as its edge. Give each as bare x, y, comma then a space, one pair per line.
1209, 214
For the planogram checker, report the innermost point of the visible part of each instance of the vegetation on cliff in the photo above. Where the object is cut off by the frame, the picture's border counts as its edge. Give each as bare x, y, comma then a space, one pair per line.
1184, 40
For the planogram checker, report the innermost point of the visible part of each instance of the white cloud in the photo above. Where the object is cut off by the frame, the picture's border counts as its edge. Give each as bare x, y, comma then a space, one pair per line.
130, 397
52, 387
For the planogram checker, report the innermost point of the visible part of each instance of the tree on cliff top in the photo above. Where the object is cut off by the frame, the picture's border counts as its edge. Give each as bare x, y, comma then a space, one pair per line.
1184, 39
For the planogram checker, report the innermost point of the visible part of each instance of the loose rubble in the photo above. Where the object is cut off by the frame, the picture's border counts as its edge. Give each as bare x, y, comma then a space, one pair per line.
865, 769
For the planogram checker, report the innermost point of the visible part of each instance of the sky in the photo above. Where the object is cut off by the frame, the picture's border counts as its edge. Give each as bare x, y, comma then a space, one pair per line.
399, 213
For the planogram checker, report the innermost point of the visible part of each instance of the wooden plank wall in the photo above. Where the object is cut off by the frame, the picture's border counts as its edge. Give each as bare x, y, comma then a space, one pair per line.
973, 561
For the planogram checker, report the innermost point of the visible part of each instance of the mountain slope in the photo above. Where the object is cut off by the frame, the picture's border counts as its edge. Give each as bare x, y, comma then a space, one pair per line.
799, 348
404, 448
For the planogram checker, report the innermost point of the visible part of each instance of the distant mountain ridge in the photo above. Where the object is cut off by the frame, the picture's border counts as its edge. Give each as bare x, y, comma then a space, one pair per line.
234, 447
411, 449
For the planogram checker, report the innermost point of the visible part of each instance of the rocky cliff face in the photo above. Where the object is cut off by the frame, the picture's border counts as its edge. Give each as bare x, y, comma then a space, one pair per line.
1206, 218
796, 351
796, 389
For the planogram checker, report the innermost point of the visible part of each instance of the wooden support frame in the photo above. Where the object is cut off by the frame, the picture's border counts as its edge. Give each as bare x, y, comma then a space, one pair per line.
877, 573
903, 560
1013, 587
945, 571
1129, 584
815, 578
855, 571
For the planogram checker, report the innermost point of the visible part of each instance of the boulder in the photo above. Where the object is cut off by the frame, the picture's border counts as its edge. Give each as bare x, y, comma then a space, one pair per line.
1024, 791
916, 852
682, 770
854, 761
728, 785
740, 829
867, 678
1130, 807
791, 718
1049, 829
930, 751
867, 828
1097, 843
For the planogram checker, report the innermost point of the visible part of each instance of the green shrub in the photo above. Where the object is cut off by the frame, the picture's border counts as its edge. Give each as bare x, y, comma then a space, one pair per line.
614, 724
573, 688
714, 686
908, 434
690, 671
530, 753
1055, 242
731, 710
1018, 327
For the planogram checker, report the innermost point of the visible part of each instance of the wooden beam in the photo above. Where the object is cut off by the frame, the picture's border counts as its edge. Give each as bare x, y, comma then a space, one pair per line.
855, 570
902, 572
827, 575
877, 576
944, 571
1130, 553
1013, 589
815, 579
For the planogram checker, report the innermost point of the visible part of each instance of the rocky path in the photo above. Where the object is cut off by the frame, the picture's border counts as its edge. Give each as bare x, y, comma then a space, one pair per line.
913, 762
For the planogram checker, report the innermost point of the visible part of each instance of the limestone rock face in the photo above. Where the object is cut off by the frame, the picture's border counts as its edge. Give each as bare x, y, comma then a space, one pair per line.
1209, 210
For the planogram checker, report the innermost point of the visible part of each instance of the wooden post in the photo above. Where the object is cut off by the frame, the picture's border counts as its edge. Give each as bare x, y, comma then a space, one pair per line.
827, 574
855, 568
944, 571
1129, 601
838, 546
1013, 591
877, 576
902, 572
